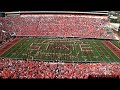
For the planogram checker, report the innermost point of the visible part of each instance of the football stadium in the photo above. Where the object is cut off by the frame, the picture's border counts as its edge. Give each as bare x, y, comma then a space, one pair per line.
58, 45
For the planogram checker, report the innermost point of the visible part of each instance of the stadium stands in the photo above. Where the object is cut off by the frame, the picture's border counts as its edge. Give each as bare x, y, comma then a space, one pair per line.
21, 69
57, 25
0, 36
83, 26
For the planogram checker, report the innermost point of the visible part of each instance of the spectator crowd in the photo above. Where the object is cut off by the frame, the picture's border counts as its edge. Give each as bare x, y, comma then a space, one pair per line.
26, 69
83, 26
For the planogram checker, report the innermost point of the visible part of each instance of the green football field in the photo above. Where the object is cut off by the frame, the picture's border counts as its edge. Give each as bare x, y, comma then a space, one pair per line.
67, 50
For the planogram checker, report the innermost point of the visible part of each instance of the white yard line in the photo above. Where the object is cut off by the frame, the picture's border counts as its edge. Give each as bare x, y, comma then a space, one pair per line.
88, 53
73, 47
81, 52
80, 47
12, 50
47, 46
93, 53
76, 51
104, 49
15, 48
97, 52
22, 49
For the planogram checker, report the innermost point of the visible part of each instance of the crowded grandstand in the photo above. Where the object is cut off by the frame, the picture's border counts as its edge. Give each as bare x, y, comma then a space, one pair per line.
58, 45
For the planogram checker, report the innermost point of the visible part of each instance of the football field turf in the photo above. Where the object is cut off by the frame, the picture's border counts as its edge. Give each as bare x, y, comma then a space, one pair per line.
67, 50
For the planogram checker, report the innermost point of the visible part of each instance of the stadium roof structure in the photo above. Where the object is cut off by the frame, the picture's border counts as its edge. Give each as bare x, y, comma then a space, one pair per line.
55, 12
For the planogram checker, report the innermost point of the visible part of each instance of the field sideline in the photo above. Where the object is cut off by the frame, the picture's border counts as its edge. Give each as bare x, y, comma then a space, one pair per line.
66, 50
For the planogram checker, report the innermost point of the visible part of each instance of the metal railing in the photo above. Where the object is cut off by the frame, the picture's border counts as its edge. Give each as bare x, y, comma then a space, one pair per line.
56, 12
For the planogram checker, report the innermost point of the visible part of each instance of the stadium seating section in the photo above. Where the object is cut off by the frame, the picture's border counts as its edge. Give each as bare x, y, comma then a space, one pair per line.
34, 69
58, 25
